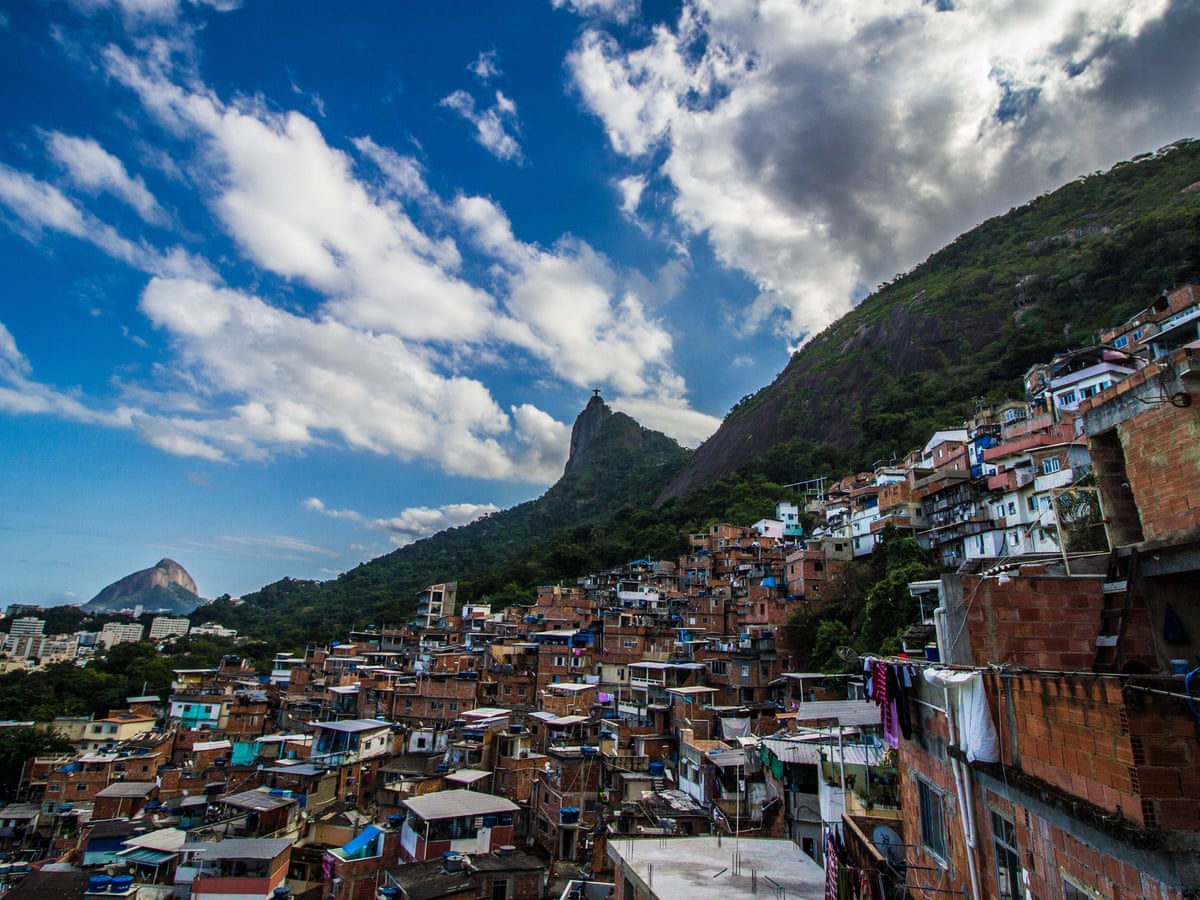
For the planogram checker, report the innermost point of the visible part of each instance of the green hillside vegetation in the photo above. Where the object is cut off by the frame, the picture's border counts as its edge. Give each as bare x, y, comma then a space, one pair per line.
912, 358
500, 557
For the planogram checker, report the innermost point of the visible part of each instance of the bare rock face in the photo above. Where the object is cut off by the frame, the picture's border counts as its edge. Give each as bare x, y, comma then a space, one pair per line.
587, 425
166, 586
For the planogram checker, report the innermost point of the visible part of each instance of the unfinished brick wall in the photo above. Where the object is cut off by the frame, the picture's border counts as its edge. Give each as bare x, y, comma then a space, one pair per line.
1049, 853
1158, 441
1162, 464
1033, 618
1070, 732
1165, 741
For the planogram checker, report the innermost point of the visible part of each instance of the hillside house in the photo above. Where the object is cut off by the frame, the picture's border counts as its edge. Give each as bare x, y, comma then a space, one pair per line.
1088, 787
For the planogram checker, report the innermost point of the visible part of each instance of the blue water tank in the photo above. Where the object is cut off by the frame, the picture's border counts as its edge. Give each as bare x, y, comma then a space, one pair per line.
98, 884
570, 815
121, 884
657, 767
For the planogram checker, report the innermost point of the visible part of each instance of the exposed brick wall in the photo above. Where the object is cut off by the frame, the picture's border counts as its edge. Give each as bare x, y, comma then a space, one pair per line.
1080, 738
1165, 742
1069, 731
1043, 621
1162, 462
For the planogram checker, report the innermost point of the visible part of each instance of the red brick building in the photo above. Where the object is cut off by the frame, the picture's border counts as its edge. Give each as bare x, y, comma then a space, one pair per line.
1094, 789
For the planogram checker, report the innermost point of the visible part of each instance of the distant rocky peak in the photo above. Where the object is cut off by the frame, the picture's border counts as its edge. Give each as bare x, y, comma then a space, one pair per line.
165, 586
587, 426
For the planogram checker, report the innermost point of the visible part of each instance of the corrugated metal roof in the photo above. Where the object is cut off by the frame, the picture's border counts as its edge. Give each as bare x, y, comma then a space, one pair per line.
257, 800
352, 725
127, 789
450, 804
240, 848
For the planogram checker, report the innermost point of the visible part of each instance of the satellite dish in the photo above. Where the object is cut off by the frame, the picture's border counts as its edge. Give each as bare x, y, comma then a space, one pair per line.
889, 845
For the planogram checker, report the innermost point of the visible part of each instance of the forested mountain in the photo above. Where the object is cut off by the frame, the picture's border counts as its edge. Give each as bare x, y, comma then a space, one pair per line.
615, 463
911, 358
968, 322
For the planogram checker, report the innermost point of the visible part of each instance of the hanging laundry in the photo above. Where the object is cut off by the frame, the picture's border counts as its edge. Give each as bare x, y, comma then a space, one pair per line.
977, 736
899, 688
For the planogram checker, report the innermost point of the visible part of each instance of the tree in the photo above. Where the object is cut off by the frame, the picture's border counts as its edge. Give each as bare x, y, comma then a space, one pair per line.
20, 744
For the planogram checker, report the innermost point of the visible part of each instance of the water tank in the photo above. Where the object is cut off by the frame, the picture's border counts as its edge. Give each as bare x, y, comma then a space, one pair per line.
656, 768
389, 893
452, 861
121, 884
570, 815
98, 884
395, 820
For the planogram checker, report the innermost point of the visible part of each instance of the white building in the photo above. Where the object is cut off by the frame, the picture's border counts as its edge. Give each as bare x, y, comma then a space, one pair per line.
168, 626
212, 629
27, 625
119, 633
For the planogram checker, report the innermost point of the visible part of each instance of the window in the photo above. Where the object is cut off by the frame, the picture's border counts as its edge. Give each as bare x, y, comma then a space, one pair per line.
717, 666
1075, 891
630, 643
1012, 508
1031, 503
933, 819
1067, 399
81, 787
1121, 342
53, 787
507, 690
453, 706
1008, 862
1051, 465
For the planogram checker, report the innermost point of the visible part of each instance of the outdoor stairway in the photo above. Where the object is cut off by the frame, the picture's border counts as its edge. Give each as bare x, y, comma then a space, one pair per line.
1119, 586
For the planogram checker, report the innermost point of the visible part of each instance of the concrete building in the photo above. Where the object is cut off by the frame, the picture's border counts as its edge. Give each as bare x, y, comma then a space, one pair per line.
455, 821
712, 868
119, 633
168, 626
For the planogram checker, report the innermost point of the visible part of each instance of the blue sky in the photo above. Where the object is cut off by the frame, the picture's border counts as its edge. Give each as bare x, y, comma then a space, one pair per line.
292, 284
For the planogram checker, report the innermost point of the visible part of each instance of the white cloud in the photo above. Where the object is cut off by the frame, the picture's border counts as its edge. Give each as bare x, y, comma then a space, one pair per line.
819, 147
618, 10
486, 67
672, 416
570, 307
20, 394
151, 11
94, 169
387, 358
42, 207
412, 524
631, 189
494, 127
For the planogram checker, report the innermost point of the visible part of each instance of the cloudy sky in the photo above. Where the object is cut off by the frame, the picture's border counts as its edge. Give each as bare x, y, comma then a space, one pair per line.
291, 284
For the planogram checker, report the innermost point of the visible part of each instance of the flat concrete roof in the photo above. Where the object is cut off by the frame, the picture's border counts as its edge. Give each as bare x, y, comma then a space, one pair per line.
703, 867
